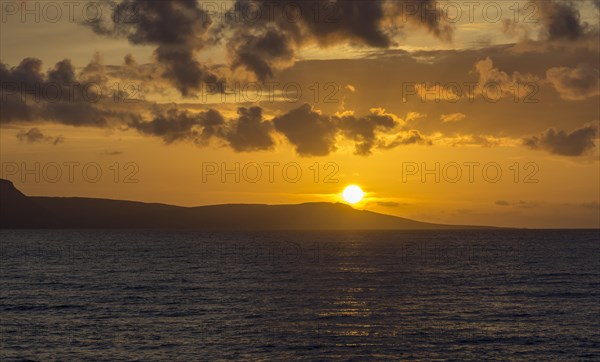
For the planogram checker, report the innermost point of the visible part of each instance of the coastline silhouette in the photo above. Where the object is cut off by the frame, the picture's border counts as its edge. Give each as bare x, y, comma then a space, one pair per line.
20, 211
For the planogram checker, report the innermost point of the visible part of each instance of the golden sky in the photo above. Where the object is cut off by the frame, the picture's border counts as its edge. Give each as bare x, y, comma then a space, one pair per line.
442, 111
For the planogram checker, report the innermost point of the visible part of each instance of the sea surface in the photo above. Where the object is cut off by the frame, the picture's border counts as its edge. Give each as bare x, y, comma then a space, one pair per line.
281, 296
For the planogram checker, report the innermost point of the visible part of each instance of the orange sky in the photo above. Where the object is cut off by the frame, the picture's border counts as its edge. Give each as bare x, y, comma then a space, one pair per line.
367, 113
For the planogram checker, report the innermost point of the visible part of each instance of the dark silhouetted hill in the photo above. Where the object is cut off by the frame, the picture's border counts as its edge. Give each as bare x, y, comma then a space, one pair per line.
20, 211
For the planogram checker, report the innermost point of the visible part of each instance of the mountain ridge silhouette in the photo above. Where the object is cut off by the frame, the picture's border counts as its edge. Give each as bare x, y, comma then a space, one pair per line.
35, 212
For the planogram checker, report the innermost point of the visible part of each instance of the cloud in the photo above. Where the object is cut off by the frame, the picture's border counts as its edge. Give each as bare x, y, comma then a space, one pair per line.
148, 77
312, 133
473, 140
452, 117
178, 29
409, 137
249, 132
363, 130
260, 54
34, 135
560, 20
577, 143
413, 116
59, 95
260, 35
315, 134
495, 83
575, 83
436, 92
213, 124
174, 125
516, 29
308, 130
272, 39
181, 28
363, 133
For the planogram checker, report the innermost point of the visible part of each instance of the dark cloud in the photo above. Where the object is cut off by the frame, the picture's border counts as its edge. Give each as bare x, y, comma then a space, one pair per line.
212, 123
94, 71
560, 20
185, 71
79, 114
174, 125
425, 13
249, 132
34, 135
14, 108
363, 130
130, 69
575, 83
27, 75
260, 35
315, 134
357, 21
576, 143
312, 133
272, 38
258, 53
178, 29
58, 95
148, 77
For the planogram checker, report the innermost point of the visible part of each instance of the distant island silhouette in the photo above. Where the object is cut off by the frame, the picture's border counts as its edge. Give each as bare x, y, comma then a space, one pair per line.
18, 211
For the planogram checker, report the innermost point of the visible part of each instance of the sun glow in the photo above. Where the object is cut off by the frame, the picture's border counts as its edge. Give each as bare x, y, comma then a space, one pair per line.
353, 194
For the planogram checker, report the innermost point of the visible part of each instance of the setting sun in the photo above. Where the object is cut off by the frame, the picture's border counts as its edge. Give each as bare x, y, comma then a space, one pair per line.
353, 194
220, 149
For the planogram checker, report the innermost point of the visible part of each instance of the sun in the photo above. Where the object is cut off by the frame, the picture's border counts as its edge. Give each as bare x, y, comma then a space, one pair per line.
353, 194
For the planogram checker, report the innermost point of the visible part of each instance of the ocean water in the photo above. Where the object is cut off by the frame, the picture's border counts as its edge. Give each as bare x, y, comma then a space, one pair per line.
282, 296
